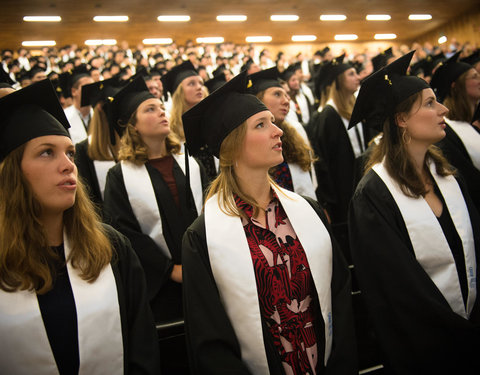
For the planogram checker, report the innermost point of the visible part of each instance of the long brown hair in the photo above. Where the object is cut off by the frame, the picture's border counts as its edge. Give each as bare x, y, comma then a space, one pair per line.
398, 162
226, 184
457, 101
100, 146
26, 259
134, 149
343, 101
295, 149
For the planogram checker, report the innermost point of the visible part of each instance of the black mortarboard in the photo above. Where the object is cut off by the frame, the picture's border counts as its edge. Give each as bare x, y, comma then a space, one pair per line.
35, 70
220, 69
209, 122
330, 71
97, 91
176, 75
215, 83
120, 108
5, 78
30, 113
264, 79
446, 74
246, 65
472, 59
382, 91
68, 79
323, 52
381, 59
290, 71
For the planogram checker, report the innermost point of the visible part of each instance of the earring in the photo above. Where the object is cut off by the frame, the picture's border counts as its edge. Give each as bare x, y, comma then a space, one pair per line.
406, 138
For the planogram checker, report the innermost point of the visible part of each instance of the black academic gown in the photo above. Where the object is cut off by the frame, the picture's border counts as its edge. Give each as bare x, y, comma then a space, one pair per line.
212, 345
417, 330
165, 295
335, 168
456, 153
86, 170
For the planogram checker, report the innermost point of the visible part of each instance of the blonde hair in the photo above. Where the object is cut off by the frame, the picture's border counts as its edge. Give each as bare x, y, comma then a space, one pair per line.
26, 258
226, 184
179, 107
100, 146
134, 149
344, 102
457, 101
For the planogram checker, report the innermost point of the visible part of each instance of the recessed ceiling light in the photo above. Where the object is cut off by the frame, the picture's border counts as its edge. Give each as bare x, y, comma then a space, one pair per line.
284, 17
333, 17
157, 41
38, 43
419, 17
385, 36
346, 37
42, 18
210, 40
303, 38
258, 39
378, 17
100, 42
110, 18
442, 39
173, 18
231, 18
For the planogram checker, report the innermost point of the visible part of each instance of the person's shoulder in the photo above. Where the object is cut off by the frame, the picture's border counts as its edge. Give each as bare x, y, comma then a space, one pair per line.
198, 226
370, 183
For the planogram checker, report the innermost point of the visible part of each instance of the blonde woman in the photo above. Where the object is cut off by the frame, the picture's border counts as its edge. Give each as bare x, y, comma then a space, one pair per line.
148, 199
72, 291
265, 289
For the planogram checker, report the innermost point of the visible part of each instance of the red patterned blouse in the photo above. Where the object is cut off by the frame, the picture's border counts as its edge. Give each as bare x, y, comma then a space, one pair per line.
285, 286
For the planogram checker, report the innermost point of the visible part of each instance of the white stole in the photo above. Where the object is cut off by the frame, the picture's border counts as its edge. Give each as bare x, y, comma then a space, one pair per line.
302, 181
470, 139
77, 129
25, 346
141, 196
232, 268
430, 244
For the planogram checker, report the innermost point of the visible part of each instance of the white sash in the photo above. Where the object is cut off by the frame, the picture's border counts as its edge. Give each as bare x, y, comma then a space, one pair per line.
77, 129
470, 139
144, 203
234, 274
302, 181
25, 347
429, 243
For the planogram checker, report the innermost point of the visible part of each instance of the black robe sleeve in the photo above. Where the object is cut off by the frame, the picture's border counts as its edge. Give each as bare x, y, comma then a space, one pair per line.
119, 213
86, 170
416, 328
211, 342
141, 354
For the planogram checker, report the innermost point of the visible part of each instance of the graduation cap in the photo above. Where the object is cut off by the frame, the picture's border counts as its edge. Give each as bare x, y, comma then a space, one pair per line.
330, 71
290, 71
215, 83
246, 65
29, 113
381, 59
35, 70
68, 79
219, 71
124, 103
176, 75
264, 79
472, 59
5, 77
97, 91
209, 122
323, 51
382, 91
447, 73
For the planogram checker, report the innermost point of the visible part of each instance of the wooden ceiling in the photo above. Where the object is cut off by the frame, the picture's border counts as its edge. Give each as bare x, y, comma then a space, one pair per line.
77, 24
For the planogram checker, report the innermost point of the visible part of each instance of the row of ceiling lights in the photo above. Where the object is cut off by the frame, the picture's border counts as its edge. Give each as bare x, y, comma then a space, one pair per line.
232, 18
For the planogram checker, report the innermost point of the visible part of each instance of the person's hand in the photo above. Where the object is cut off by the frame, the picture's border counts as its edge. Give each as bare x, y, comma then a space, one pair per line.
176, 274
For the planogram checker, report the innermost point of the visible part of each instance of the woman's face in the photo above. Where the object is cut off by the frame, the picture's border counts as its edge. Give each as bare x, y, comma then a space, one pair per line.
472, 84
151, 119
48, 167
278, 102
425, 123
351, 80
192, 90
262, 147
